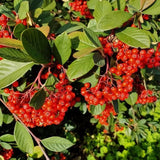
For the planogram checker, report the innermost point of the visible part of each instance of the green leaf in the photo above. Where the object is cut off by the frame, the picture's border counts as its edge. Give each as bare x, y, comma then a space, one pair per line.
1, 117
7, 138
98, 59
38, 99
134, 37
91, 77
120, 5
36, 45
14, 55
83, 108
7, 118
23, 9
135, 4
84, 52
18, 29
70, 27
113, 20
48, 5
63, 46
11, 71
92, 37
101, 8
154, 9
115, 105
45, 30
13, 43
5, 145
6, 12
17, 4
37, 153
34, 4
23, 138
56, 144
132, 99
22, 86
50, 82
80, 67
92, 4
80, 40
98, 109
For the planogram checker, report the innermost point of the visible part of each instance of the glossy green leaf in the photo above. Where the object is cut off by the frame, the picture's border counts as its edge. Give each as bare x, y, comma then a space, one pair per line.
98, 59
1, 117
80, 67
50, 82
23, 9
7, 118
113, 20
134, 37
7, 138
38, 99
56, 144
37, 153
48, 5
91, 77
70, 27
36, 45
4, 10
92, 37
154, 9
132, 99
84, 52
13, 43
11, 71
16, 4
101, 8
14, 55
23, 138
80, 40
63, 47
98, 109
18, 29
5, 145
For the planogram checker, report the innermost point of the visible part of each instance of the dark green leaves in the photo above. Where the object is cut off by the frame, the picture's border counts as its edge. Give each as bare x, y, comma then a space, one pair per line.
6, 11
132, 99
18, 29
98, 59
38, 99
80, 67
134, 37
63, 46
11, 71
36, 45
56, 144
14, 55
98, 109
113, 20
23, 138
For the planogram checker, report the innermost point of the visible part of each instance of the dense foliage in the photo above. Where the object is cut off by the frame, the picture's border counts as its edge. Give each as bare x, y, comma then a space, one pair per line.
79, 79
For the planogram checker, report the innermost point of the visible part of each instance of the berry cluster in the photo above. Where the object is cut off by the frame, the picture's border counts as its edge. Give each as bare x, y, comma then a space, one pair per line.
81, 6
6, 153
53, 109
146, 96
105, 114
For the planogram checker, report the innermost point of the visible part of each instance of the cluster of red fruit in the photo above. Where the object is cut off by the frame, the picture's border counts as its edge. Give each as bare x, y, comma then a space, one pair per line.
146, 96
61, 156
4, 32
81, 6
6, 153
53, 109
